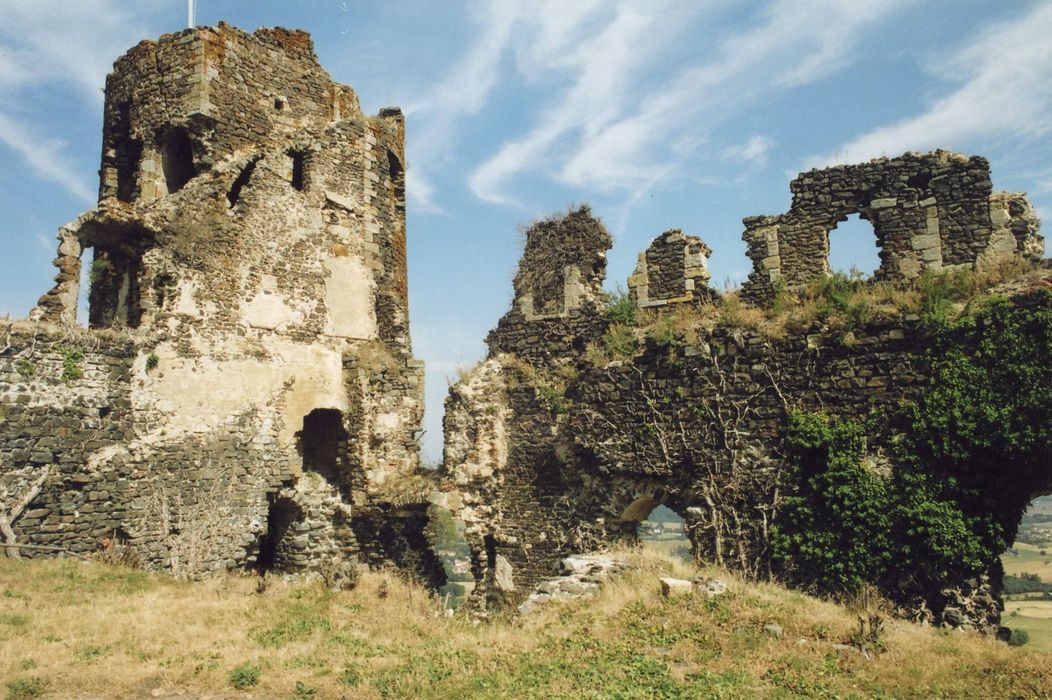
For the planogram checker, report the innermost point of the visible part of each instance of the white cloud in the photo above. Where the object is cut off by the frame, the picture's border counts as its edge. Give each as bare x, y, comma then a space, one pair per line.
421, 192
612, 130
68, 46
45, 157
605, 60
1004, 90
464, 90
65, 42
753, 152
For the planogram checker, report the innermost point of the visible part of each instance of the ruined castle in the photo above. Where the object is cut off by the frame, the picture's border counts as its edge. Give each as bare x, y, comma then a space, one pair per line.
245, 395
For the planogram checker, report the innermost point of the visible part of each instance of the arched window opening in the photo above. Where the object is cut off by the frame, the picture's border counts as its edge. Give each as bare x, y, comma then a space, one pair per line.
453, 551
1028, 576
110, 284
639, 509
323, 445
87, 257
394, 166
129, 154
177, 159
275, 548
853, 248
656, 526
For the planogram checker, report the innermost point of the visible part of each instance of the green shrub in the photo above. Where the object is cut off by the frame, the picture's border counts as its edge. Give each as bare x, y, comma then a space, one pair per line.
25, 688
840, 295
833, 532
969, 452
983, 424
151, 361
244, 676
25, 368
620, 341
99, 269
554, 397
1018, 638
71, 359
620, 307
942, 292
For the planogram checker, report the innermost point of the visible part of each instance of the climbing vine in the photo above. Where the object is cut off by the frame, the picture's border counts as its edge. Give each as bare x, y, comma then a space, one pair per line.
970, 452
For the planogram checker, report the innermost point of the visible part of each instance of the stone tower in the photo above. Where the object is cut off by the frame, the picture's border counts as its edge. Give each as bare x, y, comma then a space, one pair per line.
247, 373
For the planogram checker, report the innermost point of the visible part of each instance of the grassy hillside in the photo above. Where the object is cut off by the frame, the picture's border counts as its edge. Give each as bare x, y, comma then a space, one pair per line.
86, 629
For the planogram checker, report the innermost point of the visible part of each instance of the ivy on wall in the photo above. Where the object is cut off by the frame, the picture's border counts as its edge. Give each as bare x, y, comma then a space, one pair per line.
972, 451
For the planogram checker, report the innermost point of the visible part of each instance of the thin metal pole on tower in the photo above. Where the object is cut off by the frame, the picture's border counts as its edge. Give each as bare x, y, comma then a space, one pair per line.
190, 14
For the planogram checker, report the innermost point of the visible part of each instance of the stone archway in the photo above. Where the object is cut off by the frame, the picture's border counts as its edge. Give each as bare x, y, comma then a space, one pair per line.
277, 548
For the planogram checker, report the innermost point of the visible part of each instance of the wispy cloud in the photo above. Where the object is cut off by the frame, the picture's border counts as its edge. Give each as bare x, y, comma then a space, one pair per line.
67, 42
612, 131
463, 91
57, 44
753, 151
606, 64
45, 157
1001, 91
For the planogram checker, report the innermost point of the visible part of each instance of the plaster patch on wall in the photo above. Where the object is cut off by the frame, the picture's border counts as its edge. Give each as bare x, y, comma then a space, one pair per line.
268, 309
201, 393
350, 296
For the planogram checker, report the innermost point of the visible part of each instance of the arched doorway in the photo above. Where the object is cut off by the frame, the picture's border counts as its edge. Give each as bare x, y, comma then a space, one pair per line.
177, 158
656, 525
276, 552
1028, 576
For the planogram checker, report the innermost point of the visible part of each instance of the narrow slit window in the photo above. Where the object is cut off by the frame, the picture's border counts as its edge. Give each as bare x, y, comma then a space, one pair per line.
297, 179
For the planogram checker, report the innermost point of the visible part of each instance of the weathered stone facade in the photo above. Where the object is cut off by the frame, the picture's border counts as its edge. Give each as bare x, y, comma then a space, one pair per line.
673, 270
549, 453
246, 393
929, 211
558, 289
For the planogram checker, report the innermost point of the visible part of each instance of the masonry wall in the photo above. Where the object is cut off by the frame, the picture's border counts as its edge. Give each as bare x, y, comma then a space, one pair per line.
249, 251
930, 211
552, 452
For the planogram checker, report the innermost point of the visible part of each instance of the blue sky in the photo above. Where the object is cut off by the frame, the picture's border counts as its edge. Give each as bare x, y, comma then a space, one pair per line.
659, 113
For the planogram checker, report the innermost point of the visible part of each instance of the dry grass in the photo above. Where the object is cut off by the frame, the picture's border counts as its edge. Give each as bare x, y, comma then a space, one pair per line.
87, 629
841, 303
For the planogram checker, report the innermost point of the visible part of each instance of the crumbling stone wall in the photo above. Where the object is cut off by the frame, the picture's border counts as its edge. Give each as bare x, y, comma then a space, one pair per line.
929, 211
249, 267
674, 269
549, 452
558, 288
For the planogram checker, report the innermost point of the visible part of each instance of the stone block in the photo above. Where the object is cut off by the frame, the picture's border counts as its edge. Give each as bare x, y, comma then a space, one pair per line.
675, 587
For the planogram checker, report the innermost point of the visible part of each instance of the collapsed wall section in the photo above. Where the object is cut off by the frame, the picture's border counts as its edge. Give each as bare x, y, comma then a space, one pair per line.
558, 288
